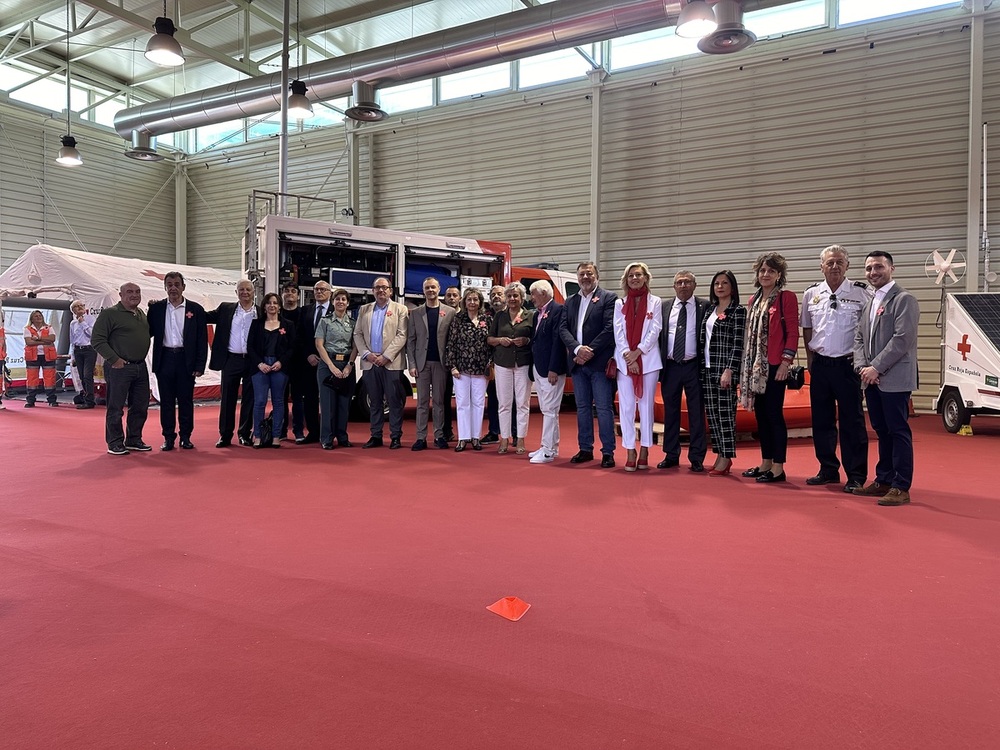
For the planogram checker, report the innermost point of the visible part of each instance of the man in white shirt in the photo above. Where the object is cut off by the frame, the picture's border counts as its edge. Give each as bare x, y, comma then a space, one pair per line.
830, 313
179, 328
229, 355
682, 358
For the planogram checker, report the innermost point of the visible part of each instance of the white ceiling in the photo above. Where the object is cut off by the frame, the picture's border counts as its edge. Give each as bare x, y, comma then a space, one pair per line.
223, 40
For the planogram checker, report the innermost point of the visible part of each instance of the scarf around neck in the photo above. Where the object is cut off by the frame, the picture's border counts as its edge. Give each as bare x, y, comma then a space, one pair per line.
635, 315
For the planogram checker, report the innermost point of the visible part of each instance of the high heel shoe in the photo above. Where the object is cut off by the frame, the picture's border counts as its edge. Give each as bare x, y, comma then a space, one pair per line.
460, 446
717, 472
476, 445
521, 450
504, 442
630, 462
643, 461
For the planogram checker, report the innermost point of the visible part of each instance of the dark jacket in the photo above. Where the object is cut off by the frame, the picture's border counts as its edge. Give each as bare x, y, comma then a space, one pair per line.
547, 349
598, 331
255, 343
195, 334
222, 317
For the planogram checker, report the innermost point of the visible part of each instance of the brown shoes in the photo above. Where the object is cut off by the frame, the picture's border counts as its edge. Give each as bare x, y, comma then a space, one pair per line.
895, 496
873, 490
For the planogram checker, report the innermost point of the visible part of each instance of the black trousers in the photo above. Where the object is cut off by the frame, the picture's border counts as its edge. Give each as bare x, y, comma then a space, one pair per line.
176, 395
86, 359
127, 385
674, 378
304, 389
835, 397
235, 374
383, 386
768, 408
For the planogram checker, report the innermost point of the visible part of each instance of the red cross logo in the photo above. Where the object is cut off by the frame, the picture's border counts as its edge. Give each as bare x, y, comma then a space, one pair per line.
965, 347
154, 274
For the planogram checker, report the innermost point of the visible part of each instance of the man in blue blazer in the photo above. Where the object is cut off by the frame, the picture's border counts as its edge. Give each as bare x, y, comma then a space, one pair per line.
885, 356
588, 336
548, 354
180, 348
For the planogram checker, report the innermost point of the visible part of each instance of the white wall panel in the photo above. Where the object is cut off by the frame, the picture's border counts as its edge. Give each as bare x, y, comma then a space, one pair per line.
790, 149
107, 205
221, 183
518, 173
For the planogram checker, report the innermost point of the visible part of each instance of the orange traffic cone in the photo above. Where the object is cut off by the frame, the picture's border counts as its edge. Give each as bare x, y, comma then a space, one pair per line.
510, 607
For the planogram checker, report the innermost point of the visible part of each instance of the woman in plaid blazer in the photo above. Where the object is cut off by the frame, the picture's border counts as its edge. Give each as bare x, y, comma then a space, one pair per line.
721, 338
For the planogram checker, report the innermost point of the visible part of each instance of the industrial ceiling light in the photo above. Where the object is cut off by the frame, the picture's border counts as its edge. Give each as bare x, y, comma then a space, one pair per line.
162, 48
364, 108
299, 107
696, 20
731, 35
68, 155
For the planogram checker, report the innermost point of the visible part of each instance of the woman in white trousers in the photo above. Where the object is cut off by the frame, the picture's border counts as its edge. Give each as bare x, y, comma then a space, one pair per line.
637, 324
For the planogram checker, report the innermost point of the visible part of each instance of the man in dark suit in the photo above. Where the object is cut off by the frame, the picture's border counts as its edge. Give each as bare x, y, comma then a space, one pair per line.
179, 328
425, 341
587, 333
885, 357
682, 363
548, 354
229, 355
305, 385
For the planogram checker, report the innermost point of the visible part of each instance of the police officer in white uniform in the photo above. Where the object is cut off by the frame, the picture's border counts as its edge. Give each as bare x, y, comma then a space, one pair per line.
829, 318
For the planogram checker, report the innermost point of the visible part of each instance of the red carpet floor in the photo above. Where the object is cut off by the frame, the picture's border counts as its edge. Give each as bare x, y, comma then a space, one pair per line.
298, 598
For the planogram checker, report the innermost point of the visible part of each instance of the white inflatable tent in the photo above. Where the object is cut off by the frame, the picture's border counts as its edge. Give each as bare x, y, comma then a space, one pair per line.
55, 273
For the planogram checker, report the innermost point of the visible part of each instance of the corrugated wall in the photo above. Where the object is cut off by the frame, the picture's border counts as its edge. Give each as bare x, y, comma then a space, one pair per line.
107, 205
518, 172
220, 183
791, 147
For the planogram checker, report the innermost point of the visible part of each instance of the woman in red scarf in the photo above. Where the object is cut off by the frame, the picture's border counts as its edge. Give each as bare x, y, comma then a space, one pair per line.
637, 325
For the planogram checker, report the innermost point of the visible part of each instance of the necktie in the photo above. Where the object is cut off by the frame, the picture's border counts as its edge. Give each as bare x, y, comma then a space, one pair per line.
319, 316
680, 333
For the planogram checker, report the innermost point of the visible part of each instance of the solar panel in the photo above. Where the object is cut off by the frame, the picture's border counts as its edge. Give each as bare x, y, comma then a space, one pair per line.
984, 311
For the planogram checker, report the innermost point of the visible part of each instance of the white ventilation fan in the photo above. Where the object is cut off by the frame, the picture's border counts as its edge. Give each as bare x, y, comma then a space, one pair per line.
941, 268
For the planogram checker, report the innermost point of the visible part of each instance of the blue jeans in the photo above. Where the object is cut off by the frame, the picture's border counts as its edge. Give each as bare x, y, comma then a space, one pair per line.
273, 382
593, 389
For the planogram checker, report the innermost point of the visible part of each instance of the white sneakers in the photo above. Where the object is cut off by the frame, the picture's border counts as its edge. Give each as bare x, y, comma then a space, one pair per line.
541, 456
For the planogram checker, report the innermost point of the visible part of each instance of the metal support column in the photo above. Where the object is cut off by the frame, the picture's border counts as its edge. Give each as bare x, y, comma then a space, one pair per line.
597, 78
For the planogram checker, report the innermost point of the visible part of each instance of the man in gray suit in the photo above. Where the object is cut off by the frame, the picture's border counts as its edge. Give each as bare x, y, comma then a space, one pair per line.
425, 340
885, 356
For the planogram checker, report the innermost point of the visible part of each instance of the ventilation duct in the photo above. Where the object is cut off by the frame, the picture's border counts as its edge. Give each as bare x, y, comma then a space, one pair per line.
143, 148
542, 28
364, 108
730, 35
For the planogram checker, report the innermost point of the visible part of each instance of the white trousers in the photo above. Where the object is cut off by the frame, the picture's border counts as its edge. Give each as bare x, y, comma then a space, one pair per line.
627, 406
470, 401
513, 385
549, 401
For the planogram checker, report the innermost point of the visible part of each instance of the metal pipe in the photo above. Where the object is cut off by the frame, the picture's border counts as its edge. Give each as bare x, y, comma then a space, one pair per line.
542, 28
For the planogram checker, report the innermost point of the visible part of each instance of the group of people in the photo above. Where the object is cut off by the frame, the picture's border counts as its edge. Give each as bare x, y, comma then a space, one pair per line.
860, 344
716, 353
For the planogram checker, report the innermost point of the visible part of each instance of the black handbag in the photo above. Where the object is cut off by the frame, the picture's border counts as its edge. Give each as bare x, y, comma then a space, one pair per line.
339, 385
796, 373
267, 431
796, 377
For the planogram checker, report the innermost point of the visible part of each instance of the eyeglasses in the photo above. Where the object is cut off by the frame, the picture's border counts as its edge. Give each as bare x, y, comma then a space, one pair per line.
833, 301
381, 288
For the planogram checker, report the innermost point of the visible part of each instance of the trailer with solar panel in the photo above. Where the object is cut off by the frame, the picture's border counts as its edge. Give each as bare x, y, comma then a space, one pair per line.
970, 358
